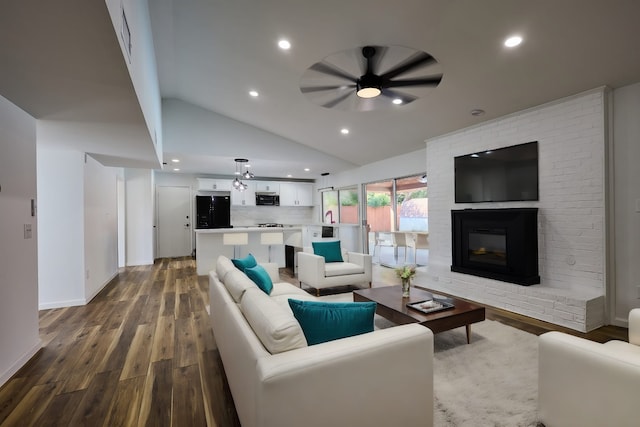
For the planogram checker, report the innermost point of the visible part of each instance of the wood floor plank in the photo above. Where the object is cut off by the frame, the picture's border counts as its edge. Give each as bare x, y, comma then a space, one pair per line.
32, 405
117, 315
137, 361
163, 339
12, 393
156, 405
91, 358
67, 360
60, 410
219, 409
203, 332
125, 407
185, 347
96, 401
183, 310
168, 305
188, 406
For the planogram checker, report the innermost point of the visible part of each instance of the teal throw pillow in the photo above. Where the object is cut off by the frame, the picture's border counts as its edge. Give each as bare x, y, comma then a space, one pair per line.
261, 278
329, 250
327, 321
243, 263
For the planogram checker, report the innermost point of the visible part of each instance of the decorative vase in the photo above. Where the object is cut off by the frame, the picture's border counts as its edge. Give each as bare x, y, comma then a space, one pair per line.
406, 287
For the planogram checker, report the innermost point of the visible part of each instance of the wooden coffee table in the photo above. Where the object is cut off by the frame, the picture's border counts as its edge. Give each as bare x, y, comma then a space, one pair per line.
392, 306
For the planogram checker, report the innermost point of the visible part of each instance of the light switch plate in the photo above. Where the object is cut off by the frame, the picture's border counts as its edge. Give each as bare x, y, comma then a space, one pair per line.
27, 231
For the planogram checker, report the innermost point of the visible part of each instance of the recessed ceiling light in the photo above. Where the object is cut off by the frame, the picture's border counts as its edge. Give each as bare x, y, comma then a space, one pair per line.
176, 169
397, 101
475, 155
284, 44
307, 169
253, 93
175, 160
289, 175
513, 41
344, 131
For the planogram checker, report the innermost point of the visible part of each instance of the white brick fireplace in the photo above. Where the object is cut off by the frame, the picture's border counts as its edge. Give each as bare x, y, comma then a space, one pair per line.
571, 221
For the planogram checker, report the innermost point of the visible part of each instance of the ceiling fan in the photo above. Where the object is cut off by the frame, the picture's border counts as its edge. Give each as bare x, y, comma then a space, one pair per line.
369, 78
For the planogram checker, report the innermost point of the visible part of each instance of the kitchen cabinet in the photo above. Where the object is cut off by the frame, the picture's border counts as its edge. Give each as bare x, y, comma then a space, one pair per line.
296, 194
246, 197
207, 184
270, 187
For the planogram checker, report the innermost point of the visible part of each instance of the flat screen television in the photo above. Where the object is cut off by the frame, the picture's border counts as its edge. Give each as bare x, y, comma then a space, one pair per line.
502, 175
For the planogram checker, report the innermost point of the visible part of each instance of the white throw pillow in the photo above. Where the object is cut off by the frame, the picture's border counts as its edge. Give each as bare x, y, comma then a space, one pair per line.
237, 283
224, 266
275, 327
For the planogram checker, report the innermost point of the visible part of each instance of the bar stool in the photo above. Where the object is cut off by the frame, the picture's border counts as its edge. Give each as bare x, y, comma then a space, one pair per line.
235, 239
271, 238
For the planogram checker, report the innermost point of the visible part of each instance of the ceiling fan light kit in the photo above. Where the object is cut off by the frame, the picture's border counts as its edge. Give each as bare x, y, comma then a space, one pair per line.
381, 69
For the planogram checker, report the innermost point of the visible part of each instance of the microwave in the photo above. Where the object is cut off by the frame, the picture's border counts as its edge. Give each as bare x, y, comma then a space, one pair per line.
267, 200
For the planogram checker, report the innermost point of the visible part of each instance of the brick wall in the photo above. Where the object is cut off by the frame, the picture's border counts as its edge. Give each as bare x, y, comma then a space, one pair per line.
571, 222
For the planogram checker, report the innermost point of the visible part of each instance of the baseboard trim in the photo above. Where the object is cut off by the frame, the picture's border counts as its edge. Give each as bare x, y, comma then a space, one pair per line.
60, 304
6, 376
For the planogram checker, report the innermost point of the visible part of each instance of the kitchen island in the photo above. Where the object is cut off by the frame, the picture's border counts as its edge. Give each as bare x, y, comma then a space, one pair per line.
209, 245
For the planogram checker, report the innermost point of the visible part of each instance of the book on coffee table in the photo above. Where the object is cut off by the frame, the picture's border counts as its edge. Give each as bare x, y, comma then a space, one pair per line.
430, 306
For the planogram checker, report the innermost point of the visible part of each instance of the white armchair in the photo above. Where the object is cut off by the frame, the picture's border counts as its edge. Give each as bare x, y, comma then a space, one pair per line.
314, 272
587, 384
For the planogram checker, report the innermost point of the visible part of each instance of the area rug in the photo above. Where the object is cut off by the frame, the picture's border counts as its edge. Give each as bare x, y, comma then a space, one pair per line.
492, 382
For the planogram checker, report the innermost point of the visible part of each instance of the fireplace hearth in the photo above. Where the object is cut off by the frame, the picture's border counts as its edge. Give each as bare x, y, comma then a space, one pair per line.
500, 244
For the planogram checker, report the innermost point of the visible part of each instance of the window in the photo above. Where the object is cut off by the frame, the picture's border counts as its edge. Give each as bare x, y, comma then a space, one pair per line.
340, 206
349, 206
330, 211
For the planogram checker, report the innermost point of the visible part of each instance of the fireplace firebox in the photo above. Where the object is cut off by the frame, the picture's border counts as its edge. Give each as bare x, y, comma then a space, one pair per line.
499, 244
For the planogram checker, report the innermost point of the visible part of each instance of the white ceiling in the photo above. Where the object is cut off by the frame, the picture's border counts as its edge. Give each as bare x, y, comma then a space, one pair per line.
63, 62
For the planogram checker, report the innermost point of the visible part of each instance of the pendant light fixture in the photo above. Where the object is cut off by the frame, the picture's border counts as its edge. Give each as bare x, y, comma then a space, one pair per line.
237, 184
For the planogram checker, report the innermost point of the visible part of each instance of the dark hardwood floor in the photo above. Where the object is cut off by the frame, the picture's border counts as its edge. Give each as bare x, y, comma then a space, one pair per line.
143, 353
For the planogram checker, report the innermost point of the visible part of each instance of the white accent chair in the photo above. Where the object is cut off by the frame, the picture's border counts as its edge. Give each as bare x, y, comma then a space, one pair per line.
587, 384
314, 272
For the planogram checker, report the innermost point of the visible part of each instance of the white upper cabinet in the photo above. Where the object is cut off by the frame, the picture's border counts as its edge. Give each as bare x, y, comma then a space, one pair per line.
207, 184
271, 187
296, 194
246, 197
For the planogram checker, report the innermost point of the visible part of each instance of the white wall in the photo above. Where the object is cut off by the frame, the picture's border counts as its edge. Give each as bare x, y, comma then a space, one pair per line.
61, 224
395, 167
626, 155
571, 219
139, 199
141, 62
19, 339
77, 247
100, 226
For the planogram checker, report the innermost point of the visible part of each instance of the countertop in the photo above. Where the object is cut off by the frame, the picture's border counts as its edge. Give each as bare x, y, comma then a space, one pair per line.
245, 229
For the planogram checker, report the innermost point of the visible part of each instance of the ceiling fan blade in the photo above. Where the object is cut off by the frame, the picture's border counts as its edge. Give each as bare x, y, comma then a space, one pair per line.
310, 89
332, 70
425, 81
413, 62
337, 101
394, 94
376, 59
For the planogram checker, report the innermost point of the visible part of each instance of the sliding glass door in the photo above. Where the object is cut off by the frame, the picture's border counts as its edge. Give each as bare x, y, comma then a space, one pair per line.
397, 220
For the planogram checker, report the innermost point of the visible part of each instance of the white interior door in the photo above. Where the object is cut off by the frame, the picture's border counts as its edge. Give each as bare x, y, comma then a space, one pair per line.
174, 221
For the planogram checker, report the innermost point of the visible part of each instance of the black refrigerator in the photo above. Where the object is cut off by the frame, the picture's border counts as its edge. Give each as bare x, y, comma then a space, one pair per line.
213, 212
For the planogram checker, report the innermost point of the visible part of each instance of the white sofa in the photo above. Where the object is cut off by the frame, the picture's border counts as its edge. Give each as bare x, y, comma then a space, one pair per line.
381, 378
313, 271
587, 384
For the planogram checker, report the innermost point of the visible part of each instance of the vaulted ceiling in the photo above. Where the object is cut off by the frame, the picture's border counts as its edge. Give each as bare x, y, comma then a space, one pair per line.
211, 53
